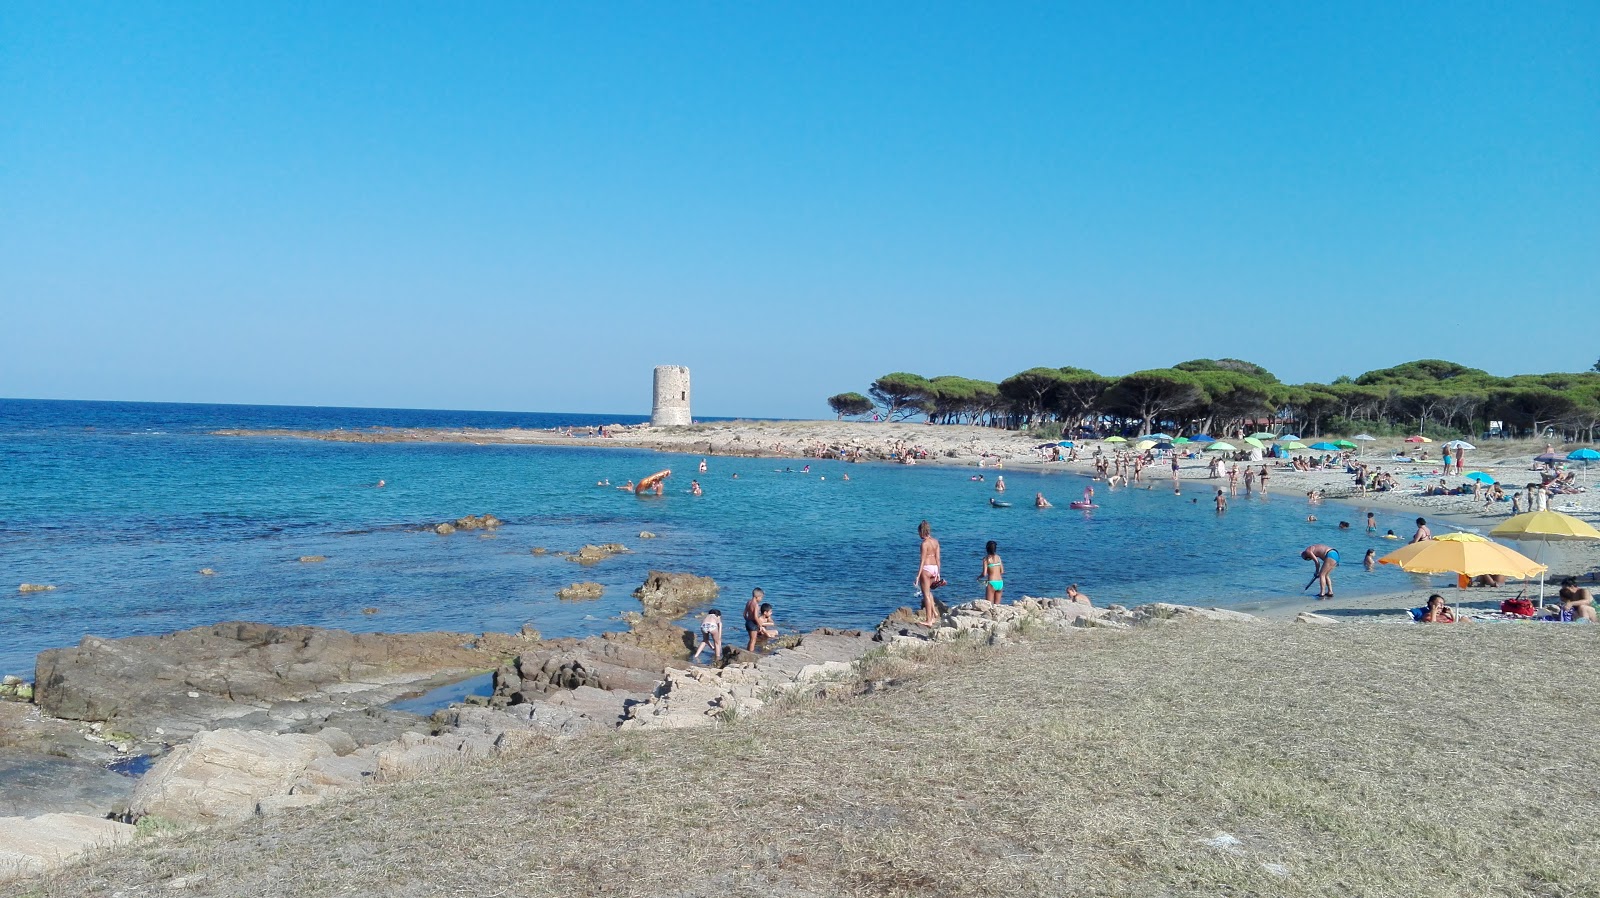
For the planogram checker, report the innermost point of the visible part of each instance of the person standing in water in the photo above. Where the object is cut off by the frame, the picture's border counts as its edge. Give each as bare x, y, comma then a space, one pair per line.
1326, 558
928, 573
1000, 483
752, 617
994, 574
1423, 533
1222, 501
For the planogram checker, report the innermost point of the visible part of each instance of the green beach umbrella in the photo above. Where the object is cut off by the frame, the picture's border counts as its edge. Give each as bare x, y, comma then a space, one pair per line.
1296, 446
1262, 435
1116, 439
1180, 440
1254, 442
1345, 444
1220, 446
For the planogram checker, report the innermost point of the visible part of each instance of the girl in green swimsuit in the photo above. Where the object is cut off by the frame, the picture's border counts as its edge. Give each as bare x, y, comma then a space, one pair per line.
994, 572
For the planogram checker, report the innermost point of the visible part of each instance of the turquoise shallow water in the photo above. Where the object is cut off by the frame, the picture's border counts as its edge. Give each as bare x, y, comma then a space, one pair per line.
121, 517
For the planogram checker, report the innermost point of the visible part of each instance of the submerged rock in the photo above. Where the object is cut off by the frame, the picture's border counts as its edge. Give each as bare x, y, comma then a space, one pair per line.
591, 554
312, 559
580, 592
35, 587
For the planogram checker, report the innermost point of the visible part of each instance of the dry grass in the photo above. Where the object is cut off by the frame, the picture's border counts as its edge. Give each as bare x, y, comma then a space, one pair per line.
1362, 759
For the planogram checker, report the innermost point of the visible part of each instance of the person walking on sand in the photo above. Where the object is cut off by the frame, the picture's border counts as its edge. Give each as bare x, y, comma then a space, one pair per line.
752, 617
994, 574
1423, 533
928, 573
1326, 558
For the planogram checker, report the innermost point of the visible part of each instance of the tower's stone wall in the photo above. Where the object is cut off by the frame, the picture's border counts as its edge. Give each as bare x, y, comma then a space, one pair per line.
670, 407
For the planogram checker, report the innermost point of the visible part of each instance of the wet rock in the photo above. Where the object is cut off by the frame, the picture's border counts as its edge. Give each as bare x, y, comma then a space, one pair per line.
444, 529
645, 534
313, 559
591, 554
35, 587
673, 594
539, 550
206, 572
580, 592
369, 611
30, 846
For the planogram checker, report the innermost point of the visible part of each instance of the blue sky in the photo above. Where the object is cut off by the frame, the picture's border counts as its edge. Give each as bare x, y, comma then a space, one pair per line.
528, 206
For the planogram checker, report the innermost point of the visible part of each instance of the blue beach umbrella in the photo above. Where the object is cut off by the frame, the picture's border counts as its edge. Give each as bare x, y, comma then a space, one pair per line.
1287, 438
1480, 477
1065, 444
1325, 447
1585, 456
1202, 438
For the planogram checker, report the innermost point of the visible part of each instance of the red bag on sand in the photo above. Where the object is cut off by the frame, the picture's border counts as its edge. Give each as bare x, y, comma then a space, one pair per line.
1517, 606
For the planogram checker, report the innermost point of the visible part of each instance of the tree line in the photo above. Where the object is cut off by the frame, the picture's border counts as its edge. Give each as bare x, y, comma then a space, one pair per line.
1428, 396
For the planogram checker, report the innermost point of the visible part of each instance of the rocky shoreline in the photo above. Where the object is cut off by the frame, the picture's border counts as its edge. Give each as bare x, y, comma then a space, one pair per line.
244, 719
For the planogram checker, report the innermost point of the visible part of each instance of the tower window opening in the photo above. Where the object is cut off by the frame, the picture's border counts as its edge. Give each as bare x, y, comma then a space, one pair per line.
684, 395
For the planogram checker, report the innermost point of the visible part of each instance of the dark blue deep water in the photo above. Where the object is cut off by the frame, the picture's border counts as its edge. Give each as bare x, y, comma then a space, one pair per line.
120, 504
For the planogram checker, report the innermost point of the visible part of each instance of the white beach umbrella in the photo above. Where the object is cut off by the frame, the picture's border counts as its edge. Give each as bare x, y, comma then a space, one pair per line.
1459, 444
1364, 438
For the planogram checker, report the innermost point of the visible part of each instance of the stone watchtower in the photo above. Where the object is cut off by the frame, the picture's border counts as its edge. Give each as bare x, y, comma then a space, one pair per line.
671, 405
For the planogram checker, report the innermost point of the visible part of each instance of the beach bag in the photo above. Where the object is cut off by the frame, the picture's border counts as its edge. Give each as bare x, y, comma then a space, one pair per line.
1521, 607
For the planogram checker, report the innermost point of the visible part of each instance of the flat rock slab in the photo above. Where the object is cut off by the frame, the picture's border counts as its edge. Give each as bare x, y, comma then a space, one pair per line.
33, 845
37, 784
223, 774
190, 680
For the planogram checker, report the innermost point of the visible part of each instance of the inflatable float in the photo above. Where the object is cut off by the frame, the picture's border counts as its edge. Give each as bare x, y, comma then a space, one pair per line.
649, 483
1082, 505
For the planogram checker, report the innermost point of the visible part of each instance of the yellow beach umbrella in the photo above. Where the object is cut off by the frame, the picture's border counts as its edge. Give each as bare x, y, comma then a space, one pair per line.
1116, 439
1142, 445
1544, 527
1462, 553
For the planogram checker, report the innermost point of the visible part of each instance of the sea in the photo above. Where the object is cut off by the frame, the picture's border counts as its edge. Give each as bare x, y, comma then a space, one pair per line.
120, 505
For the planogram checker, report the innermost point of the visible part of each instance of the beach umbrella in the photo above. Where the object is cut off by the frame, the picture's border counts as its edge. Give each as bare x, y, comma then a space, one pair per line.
1116, 439
1142, 445
1544, 527
1419, 438
1462, 553
1296, 446
1200, 438
1325, 447
1480, 477
1066, 444
1459, 444
1163, 445
1220, 446
1254, 442
1585, 456
1262, 435
1548, 458
1344, 444
1180, 440
1156, 436
1288, 437
1364, 438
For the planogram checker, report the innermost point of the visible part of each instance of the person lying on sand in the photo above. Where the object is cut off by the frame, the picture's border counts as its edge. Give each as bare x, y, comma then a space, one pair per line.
1437, 612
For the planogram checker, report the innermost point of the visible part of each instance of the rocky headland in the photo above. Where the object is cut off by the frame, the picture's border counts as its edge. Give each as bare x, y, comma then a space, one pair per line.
246, 719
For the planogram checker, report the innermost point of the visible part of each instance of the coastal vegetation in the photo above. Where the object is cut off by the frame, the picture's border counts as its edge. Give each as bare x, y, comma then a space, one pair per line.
1353, 759
1428, 396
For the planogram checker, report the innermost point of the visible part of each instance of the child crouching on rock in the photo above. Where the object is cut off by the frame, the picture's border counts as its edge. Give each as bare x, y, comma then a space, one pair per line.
710, 635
